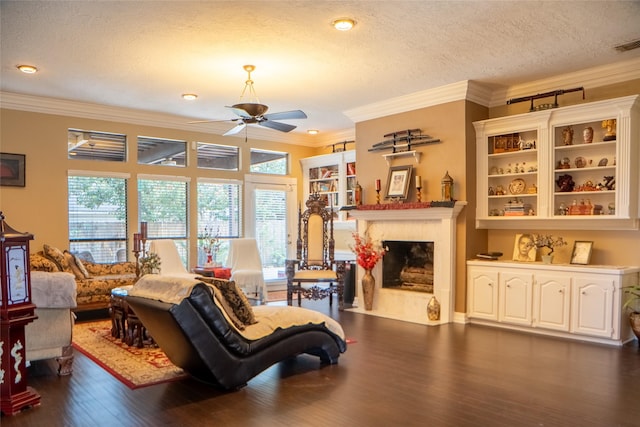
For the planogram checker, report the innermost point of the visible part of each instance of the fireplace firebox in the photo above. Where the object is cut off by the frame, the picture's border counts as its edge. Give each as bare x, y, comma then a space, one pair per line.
408, 265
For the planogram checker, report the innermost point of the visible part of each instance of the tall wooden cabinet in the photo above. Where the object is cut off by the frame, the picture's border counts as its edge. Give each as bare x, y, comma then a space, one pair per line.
574, 167
333, 176
561, 300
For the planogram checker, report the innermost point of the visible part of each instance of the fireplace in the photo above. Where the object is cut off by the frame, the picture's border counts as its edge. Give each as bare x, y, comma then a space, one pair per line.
408, 266
434, 228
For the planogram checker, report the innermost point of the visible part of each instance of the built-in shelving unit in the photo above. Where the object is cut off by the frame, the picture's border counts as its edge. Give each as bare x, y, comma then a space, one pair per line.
540, 169
332, 176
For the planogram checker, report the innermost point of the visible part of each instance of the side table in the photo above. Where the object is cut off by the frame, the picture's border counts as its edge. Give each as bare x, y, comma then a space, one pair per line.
125, 324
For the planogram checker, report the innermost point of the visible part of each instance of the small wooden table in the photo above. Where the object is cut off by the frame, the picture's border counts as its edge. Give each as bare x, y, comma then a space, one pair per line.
125, 324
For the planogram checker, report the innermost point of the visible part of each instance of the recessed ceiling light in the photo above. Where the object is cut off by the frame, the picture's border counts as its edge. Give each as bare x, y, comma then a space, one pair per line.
189, 96
27, 69
313, 131
343, 24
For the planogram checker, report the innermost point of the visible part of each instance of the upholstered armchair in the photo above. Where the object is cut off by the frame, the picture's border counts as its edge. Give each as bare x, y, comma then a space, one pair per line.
49, 336
315, 274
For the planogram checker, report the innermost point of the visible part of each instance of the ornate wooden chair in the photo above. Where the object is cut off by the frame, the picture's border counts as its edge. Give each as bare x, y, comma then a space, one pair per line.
315, 274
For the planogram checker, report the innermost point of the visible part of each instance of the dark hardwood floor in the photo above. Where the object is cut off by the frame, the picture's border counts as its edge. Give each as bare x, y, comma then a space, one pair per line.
395, 374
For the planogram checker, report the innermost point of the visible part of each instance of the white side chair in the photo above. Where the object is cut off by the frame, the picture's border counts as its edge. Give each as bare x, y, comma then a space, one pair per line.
170, 261
246, 267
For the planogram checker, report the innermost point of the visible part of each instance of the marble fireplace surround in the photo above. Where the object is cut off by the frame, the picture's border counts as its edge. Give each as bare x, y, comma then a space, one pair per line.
435, 224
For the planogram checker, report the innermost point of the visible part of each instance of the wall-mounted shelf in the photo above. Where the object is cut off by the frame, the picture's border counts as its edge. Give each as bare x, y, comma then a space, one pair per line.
390, 156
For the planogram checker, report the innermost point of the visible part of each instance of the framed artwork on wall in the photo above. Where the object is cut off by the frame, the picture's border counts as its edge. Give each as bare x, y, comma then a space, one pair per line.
398, 182
581, 253
524, 249
12, 168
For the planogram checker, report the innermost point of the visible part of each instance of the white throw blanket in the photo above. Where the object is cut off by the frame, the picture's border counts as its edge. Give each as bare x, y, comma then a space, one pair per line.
169, 289
53, 289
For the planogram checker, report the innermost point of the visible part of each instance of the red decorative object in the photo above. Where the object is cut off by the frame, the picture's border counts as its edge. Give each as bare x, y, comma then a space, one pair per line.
16, 311
367, 255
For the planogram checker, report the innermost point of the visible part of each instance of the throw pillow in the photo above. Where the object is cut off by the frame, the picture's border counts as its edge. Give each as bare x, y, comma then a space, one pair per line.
222, 302
56, 255
39, 262
235, 298
81, 267
72, 265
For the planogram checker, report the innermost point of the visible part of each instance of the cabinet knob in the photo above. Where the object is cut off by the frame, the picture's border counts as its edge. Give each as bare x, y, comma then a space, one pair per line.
560, 291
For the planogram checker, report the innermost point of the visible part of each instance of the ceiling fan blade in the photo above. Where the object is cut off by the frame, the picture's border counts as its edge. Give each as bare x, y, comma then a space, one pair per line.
212, 121
282, 127
239, 112
293, 114
235, 129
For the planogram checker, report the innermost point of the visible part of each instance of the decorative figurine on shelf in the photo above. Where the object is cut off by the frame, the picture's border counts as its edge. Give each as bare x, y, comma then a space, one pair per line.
610, 126
447, 187
587, 135
358, 194
565, 183
567, 135
565, 163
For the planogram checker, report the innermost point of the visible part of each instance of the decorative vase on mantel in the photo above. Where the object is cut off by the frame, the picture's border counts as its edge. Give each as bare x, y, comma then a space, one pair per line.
547, 259
368, 287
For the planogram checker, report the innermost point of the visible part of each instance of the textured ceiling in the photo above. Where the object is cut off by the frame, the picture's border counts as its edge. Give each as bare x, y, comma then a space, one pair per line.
145, 54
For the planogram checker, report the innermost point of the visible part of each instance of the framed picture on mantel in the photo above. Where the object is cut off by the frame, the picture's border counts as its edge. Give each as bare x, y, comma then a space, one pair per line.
398, 182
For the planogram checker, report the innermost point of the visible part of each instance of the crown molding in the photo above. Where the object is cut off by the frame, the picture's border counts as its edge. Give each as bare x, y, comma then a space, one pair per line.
413, 101
588, 78
86, 110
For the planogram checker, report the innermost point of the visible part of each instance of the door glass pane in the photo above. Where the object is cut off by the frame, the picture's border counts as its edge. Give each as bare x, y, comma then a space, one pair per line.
271, 231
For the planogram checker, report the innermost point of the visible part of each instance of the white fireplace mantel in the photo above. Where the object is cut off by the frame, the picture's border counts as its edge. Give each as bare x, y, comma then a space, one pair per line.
435, 224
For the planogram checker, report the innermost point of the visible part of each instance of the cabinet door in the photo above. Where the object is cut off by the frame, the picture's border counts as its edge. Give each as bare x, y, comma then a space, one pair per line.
515, 298
592, 306
552, 302
483, 293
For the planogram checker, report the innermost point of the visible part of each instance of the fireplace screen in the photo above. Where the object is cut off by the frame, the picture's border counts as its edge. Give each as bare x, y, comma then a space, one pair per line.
408, 266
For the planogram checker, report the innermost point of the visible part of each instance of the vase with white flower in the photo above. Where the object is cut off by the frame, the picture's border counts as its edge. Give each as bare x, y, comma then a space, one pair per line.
368, 253
210, 245
547, 241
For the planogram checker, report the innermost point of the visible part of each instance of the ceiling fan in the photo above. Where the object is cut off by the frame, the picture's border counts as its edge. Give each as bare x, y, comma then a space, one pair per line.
253, 112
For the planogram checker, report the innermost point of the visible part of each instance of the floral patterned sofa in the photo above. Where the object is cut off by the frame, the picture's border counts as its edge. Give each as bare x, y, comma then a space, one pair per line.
94, 281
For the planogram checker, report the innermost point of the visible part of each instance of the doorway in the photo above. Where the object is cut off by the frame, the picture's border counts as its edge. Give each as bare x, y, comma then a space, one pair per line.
270, 206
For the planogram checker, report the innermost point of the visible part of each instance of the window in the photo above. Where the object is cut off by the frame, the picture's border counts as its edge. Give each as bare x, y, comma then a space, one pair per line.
162, 203
165, 152
90, 145
218, 214
271, 162
98, 217
214, 156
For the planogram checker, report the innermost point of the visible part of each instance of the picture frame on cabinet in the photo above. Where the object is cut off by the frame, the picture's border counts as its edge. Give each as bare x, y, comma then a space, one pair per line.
524, 249
12, 167
398, 182
581, 253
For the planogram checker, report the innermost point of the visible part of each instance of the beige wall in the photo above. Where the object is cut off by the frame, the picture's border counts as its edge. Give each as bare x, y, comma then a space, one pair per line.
41, 206
455, 153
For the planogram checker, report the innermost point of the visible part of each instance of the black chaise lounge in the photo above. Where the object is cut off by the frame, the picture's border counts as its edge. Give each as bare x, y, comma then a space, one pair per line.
196, 330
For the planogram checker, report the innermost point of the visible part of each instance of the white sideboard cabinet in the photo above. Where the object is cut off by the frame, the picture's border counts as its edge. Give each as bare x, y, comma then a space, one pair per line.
572, 167
580, 302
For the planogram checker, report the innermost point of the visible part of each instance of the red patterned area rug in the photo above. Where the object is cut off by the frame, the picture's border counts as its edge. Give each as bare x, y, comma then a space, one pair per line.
135, 367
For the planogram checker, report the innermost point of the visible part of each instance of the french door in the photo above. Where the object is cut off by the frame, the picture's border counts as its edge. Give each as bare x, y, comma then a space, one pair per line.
270, 207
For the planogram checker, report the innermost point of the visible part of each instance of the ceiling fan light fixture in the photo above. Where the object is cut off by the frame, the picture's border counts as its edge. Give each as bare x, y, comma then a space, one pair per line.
343, 24
28, 69
189, 96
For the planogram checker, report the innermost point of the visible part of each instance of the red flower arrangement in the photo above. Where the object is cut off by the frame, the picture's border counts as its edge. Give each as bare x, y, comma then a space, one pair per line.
367, 254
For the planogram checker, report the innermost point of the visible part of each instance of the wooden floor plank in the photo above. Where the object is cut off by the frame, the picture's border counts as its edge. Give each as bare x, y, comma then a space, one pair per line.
396, 373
